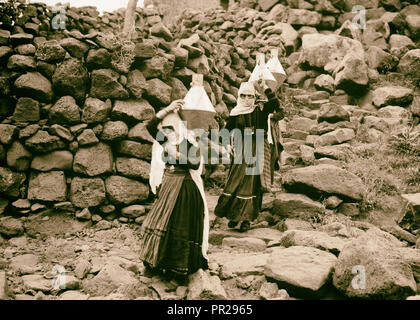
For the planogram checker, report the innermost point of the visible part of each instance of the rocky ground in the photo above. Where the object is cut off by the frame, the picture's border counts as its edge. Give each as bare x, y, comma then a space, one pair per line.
72, 204
303, 260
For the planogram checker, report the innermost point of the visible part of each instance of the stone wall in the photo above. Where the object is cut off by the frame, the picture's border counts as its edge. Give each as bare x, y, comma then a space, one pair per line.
72, 112
73, 102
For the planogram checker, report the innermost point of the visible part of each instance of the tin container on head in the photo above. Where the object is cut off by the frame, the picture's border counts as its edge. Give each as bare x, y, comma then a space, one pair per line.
261, 72
276, 68
198, 111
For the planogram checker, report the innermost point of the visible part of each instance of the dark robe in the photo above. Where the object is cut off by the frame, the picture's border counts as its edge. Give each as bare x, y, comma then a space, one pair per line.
242, 196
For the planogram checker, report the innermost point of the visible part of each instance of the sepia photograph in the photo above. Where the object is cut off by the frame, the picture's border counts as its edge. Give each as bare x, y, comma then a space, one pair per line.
208, 157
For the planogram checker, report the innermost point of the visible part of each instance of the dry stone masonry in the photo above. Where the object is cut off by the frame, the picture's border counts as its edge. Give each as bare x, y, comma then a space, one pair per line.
73, 109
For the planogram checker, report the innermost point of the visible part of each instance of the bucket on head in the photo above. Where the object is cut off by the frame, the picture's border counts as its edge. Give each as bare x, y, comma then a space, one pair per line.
276, 68
261, 72
198, 111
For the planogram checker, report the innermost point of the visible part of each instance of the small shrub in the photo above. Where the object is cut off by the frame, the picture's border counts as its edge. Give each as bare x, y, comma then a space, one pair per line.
123, 50
406, 142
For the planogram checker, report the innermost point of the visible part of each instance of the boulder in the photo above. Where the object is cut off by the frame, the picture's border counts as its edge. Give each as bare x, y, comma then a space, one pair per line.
268, 291
398, 41
372, 267
133, 168
160, 30
93, 161
87, 192
84, 214
18, 157
133, 211
348, 29
7, 133
135, 149
314, 239
132, 110
394, 112
337, 152
335, 137
328, 51
302, 271
136, 83
71, 78
11, 227
98, 59
57, 160
325, 82
410, 218
351, 74
25, 263
181, 57
87, 138
76, 48
5, 53
380, 60
324, 179
65, 111
376, 33
110, 278
410, 63
50, 51
301, 123
21, 38
26, 110
43, 142
37, 282
392, 95
125, 191
202, 286
28, 131
61, 131
303, 17
145, 49
21, 63
199, 65
247, 243
11, 182
295, 224
289, 205
139, 133
34, 85
96, 111
157, 67
114, 131
47, 186
158, 92
4, 37
332, 113
105, 85
267, 4
240, 264
4, 203
73, 295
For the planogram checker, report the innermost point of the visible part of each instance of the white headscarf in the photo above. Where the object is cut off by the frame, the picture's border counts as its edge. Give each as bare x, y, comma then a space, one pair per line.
244, 106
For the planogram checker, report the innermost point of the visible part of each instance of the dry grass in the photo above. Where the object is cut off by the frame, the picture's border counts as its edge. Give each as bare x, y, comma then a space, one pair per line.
388, 169
123, 50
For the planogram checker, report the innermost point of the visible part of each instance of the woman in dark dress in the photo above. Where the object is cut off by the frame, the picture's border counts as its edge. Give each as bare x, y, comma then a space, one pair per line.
174, 235
241, 199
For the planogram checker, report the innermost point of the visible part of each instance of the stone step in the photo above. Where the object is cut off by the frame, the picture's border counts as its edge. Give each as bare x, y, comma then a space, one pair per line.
267, 234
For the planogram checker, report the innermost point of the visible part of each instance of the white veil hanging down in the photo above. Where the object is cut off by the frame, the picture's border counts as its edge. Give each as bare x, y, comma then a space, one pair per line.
157, 169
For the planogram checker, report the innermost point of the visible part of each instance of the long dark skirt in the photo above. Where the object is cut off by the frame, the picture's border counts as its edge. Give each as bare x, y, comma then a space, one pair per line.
242, 197
176, 246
